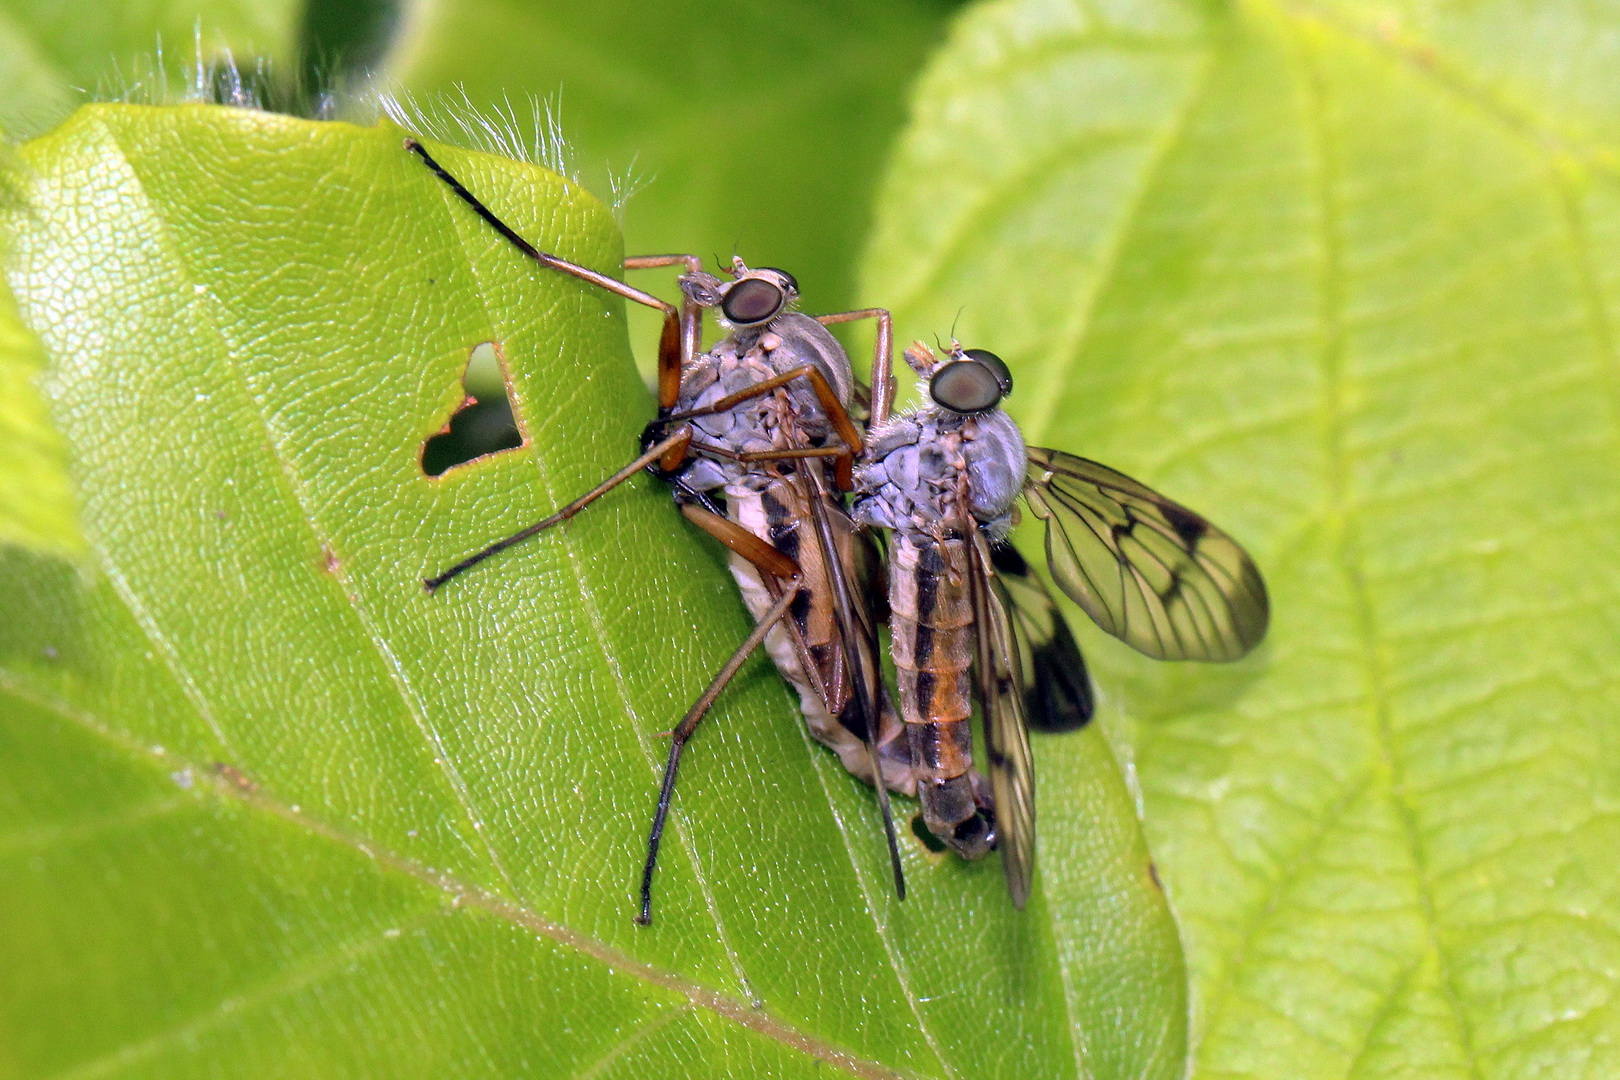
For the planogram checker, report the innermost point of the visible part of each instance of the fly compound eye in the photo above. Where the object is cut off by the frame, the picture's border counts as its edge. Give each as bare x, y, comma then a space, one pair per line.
752, 300
997, 366
788, 279
965, 386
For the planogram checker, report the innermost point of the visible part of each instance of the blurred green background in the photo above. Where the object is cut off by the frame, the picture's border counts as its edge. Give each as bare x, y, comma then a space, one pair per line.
755, 129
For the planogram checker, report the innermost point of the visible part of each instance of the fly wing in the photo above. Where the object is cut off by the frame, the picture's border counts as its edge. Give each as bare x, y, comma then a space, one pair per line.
859, 645
1057, 688
1149, 571
998, 684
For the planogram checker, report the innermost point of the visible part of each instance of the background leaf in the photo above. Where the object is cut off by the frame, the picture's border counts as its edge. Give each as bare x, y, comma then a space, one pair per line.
264, 802
52, 53
1345, 277
759, 130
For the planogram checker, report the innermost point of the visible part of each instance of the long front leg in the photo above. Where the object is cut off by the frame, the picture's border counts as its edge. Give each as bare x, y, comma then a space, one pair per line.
882, 356
674, 444
681, 327
683, 732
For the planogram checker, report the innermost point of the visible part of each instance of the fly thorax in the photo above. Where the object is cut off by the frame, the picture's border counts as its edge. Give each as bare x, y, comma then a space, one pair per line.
917, 468
912, 466
794, 340
993, 449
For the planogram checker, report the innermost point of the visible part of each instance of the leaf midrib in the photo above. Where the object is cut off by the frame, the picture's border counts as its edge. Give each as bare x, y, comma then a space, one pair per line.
1326, 182
1557, 150
456, 893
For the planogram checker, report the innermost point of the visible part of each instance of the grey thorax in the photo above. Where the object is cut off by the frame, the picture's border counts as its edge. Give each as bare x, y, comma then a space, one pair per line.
746, 356
915, 463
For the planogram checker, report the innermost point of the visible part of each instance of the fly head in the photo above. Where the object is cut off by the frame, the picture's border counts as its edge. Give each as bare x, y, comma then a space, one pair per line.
970, 381
752, 298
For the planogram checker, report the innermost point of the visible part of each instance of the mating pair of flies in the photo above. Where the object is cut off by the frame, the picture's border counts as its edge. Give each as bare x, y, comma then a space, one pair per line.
758, 440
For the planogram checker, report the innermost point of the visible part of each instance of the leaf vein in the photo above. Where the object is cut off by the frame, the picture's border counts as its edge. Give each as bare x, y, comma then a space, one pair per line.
459, 894
1332, 310
599, 628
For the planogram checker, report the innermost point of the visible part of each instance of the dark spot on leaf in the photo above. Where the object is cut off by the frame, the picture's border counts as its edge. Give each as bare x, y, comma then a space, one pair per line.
1153, 873
485, 422
235, 777
329, 560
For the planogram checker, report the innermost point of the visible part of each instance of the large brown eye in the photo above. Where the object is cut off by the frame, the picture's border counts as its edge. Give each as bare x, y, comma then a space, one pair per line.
787, 279
752, 300
997, 367
965, 386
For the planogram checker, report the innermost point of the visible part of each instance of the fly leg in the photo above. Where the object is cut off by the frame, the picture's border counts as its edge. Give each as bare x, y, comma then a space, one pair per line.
674, 446
678, 343
771, 561
882, 356
673, 362
849, 438
863, 673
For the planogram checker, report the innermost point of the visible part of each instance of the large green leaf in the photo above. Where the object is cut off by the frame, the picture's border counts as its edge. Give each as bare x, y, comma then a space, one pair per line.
51, 51
1347, 280
36, 497
756, 129
266, 806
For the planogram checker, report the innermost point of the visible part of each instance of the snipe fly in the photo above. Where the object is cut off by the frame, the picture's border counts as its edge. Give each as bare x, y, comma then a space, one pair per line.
970, 622
755, 439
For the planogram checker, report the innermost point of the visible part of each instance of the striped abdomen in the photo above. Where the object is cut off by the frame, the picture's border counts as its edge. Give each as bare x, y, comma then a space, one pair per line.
780, 515
931, 618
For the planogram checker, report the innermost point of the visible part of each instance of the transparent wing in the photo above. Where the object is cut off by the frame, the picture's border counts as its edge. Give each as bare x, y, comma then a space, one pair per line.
1149, 571
998, 684
1057, 689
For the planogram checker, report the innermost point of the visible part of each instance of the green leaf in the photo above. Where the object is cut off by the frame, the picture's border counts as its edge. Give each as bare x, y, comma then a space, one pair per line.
36, 497
760, 130
52, 51
1346, 279
265, 802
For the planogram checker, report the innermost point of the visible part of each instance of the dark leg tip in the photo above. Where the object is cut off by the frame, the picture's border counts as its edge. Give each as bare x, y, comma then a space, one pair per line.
412, 144
430, 585
644, 918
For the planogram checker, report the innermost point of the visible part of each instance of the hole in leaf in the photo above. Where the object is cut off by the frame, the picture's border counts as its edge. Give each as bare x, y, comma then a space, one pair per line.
929, 840
484, 424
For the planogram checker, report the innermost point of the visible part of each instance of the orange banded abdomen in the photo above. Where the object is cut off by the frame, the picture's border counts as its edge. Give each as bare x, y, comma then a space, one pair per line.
931, 621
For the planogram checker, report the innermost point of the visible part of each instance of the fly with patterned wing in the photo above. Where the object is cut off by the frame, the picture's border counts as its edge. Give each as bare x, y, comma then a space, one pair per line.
969, 613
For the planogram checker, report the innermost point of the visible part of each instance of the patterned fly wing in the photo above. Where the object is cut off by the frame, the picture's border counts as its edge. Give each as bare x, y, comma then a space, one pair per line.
1149, 571
998, 684
1057, 688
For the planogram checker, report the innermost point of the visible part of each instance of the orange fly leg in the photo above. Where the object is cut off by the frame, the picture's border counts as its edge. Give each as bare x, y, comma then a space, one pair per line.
848, 435
882, 356
680, 326
680, 340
